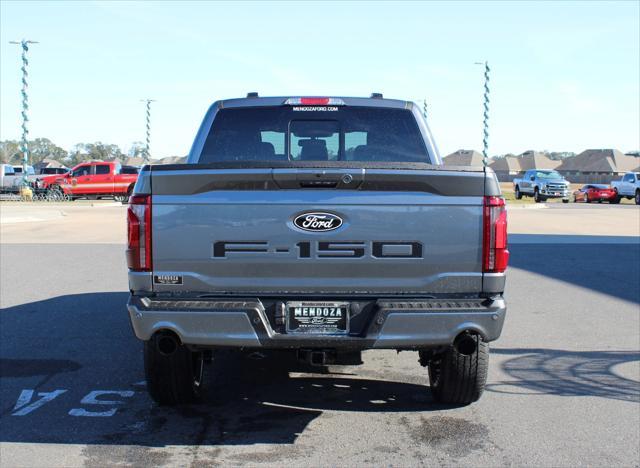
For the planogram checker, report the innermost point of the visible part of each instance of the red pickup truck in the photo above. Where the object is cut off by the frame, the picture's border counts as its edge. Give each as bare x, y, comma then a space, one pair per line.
92, 179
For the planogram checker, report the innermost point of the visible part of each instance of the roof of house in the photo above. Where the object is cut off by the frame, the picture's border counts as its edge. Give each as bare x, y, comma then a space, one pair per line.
463, 158
171, 160
134, 161
506, 164
599, 160
47, 162
536, 160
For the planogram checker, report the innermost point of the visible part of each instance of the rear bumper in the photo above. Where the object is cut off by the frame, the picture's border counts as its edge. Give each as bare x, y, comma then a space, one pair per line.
386, 323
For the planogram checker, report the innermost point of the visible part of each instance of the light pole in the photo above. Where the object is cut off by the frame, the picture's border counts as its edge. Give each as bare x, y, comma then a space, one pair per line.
148, 114
485, 139
25, 107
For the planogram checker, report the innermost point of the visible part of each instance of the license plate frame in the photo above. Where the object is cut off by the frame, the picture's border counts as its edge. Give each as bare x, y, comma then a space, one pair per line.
311, 321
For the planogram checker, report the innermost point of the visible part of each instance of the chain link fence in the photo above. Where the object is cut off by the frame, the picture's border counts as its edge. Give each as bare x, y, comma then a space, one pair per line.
44, 196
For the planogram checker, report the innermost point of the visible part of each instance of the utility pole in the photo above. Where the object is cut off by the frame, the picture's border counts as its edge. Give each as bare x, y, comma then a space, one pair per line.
148, 114
24, 43
485, 139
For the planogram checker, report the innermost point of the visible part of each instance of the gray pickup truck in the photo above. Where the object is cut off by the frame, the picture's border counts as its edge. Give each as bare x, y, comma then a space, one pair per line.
322, 227
542, 184
628, 187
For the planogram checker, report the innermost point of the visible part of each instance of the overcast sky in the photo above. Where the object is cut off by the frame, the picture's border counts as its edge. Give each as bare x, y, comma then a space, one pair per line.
564, 76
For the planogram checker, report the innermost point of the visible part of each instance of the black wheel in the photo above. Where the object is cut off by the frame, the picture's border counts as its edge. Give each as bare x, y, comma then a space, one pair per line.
458, 378
637, 197
565, 200
174, 373
536, 196
518, 193
586, 198
575, 199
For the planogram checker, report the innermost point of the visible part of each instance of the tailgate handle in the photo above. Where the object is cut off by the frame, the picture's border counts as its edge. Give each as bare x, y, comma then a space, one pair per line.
318, 184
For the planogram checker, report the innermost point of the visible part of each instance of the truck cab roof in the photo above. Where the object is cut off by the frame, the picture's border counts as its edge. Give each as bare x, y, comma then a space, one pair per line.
313, 101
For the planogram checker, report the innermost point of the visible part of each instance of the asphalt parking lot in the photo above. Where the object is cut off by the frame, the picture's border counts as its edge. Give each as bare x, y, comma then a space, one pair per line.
564, 382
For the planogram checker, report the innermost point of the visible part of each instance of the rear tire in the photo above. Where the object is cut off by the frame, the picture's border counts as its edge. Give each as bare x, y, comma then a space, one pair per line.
637, 197
518, 193
174, 379
457, 378
565, 200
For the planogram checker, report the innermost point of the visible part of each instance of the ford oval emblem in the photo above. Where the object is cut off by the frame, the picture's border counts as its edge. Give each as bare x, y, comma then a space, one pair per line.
317, 221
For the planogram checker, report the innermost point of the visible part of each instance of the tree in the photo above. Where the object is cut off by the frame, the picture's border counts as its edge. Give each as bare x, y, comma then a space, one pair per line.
10, 151
98, 150
137, 149
40, 148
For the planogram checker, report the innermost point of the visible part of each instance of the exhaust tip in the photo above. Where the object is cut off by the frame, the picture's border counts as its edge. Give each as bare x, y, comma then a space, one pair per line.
167, 345
466, 343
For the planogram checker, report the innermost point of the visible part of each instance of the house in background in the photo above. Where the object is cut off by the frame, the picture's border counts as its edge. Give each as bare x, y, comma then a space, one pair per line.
46, 162
536, 160
506, 168
463, 158
597, 166
171, 160
134, 161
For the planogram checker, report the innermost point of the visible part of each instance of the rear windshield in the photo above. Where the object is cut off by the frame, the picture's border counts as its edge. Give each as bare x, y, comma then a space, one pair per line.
302, 134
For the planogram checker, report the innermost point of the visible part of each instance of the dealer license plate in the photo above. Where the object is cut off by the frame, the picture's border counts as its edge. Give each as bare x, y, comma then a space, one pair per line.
327, 318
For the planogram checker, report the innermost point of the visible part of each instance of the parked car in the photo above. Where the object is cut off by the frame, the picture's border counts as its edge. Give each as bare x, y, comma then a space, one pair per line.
541, 184
32, 177
628, 186
30, 170
93, 179
595, 193
9, 181
321, 227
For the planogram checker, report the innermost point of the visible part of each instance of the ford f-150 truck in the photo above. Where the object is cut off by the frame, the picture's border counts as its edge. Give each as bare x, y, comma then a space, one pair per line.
322, 226
628, 186
541, 184
92, 179
10, 182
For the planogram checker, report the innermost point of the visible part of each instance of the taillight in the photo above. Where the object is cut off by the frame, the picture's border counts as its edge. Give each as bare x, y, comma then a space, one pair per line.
139, 233
314, 101
495, 255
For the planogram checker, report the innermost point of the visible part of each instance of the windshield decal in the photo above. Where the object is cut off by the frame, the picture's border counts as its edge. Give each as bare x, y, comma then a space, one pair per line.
316, 108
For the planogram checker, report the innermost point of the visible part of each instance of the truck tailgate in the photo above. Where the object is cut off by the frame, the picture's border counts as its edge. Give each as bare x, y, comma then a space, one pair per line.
415, 232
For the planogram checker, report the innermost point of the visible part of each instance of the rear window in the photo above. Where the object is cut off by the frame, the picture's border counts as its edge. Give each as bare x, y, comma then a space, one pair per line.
342, 134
